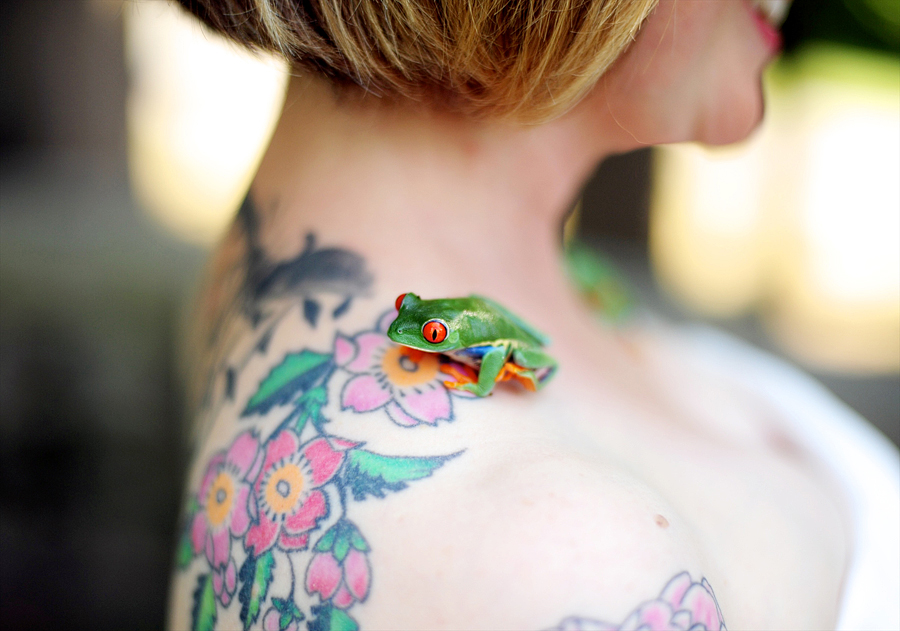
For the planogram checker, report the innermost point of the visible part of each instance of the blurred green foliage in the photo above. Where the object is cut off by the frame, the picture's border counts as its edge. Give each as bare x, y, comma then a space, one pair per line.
872, 24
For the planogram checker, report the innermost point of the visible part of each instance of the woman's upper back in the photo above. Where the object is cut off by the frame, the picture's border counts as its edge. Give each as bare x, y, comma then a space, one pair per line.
340, 476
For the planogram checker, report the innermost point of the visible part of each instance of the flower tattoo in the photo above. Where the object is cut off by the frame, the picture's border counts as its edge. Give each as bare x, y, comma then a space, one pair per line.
683, 605
294, 490
282, 505
223, 513
287, 493
408, 385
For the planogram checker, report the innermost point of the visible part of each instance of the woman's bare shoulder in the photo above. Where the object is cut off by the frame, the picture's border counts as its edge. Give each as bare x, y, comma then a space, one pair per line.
340, 483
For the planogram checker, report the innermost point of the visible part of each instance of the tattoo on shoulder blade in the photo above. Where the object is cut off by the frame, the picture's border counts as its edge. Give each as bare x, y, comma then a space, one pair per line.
283, 503
313, 272
268, 291
682, 605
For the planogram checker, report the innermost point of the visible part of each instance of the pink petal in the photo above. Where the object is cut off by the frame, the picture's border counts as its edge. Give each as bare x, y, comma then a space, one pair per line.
240, 520
384, 322
430, 405
230, 577
199, 528
218, 582
655, 616
709, 588
675, 589
220, 586
357, 573
210, 549
364, 393
256, 467
323, 575
343, 598
221, 542
344, 350
261, 535
284, 444
396, 414
242, 452
369, 345
212, 470
324, 460
702, 606
290, 542
311, 510
343, 444
272, 620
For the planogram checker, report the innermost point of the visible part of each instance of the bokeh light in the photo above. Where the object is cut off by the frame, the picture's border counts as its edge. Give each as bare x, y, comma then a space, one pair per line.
803, 220
200, 112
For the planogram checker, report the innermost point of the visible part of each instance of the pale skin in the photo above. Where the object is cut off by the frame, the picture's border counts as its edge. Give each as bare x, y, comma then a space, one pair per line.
631, 465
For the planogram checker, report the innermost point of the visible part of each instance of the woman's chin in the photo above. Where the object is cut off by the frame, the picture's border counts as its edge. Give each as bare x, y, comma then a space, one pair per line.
732, 121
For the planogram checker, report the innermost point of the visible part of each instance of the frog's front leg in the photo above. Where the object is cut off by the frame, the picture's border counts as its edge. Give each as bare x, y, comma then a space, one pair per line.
491, 365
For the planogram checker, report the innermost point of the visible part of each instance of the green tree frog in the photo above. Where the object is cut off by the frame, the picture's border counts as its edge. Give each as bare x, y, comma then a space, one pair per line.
478, 333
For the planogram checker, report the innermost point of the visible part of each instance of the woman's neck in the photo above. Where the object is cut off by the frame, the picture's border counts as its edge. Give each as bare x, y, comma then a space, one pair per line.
437, 205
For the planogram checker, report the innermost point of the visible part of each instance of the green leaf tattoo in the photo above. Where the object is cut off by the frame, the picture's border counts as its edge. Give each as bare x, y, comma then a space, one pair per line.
340, 538
255, 576
329, 618
309, 408
288, 611
203, 614
296, 374
368, 473
184, 553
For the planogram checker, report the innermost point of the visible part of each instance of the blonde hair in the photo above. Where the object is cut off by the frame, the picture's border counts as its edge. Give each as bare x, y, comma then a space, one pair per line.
528, 60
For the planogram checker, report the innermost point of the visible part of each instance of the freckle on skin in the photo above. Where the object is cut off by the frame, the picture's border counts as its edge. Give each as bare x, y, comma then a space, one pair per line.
661, 521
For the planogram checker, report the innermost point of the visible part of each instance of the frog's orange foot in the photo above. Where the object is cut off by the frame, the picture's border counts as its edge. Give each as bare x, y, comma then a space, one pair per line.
525, 376
461, 374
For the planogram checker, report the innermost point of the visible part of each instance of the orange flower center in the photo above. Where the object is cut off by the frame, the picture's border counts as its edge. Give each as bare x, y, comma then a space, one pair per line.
283, 488
405, 369
219, 500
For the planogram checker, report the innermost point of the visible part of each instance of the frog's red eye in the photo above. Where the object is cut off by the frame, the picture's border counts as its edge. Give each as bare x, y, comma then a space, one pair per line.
434, 331
399, 301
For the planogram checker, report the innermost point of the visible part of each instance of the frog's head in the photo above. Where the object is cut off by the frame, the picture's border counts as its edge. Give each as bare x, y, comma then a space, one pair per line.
424, 324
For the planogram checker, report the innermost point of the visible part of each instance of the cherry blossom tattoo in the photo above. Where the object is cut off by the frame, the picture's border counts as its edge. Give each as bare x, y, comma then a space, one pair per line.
291, 491
280, 505
683, 605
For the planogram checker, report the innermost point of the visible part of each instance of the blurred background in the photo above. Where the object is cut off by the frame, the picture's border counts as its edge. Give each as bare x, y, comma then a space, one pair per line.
115, 179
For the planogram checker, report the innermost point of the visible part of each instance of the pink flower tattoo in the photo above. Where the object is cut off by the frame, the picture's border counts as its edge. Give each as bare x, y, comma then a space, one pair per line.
340, 570
223, 501
683, 605
409, 386
287, 492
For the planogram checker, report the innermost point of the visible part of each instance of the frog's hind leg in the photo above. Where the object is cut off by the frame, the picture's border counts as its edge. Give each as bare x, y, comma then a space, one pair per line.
540, 366
525, 376
459, 373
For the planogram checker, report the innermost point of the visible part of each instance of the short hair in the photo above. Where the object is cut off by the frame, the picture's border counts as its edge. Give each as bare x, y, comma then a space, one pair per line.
528, 60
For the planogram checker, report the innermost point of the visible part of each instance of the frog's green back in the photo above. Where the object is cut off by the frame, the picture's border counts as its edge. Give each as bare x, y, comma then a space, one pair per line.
539, 338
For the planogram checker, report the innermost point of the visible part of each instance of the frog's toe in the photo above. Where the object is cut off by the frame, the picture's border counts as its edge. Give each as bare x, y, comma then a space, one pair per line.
544, 374
474, 389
